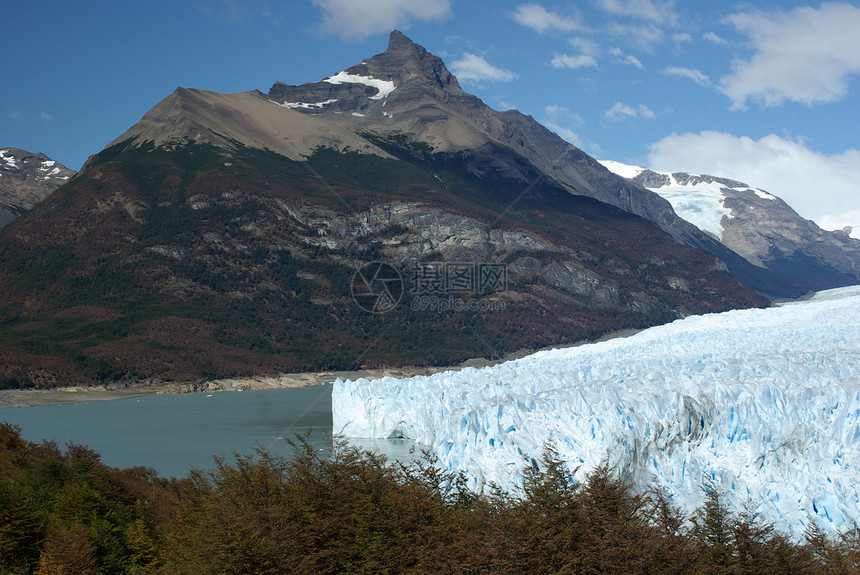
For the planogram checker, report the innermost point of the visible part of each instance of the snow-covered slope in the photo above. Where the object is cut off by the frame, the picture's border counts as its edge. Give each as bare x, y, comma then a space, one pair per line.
759, 226
698, 199
765, 403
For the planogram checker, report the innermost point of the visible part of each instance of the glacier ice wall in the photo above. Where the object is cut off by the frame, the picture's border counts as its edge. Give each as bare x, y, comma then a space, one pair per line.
765, 404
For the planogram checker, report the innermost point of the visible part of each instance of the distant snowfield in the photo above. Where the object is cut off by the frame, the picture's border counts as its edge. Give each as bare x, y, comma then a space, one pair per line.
700, 203
763, 403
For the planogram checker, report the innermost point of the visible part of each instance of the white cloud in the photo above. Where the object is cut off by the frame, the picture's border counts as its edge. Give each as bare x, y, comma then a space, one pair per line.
585, 46
356, 20
689, 73
47, 117
823, 188
806, 55
558, 113
632, 60
587, 58
474, 68
622, 58
573, 61
621, 111
542, 21
657, 12
714, 39
570, 126
567, 134
682, 38
644, 23
643, 36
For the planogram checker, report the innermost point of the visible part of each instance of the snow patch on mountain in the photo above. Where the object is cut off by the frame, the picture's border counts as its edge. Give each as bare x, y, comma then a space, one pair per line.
700, 204
697, 199
763, 403
304, 105
383, 87
10, 160
623, 170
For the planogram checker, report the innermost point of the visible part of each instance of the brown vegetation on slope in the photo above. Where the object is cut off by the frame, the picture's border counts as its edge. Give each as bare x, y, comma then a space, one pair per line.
63, 512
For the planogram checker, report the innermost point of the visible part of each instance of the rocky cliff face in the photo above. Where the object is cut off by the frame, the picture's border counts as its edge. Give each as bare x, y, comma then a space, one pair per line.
758, 225
408, 93
25, 180
407, 90
186, 261
229, 234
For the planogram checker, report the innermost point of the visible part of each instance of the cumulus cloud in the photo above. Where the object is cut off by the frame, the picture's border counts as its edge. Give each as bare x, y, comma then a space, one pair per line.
657, 12
643, 36
820, 187
621, 111
585, 45
681, 38
558, 113
587, 58
573, 61
622, 58
567, 134
806, 55
690, 73
357, 20
474, 68
570, 126
543, 21
715, 39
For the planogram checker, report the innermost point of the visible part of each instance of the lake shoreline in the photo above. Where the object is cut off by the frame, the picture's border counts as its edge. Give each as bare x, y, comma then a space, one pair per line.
10, 398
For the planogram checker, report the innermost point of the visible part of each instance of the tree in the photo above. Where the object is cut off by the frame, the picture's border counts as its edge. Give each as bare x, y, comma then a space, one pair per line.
67, 551
712, 533
21, 528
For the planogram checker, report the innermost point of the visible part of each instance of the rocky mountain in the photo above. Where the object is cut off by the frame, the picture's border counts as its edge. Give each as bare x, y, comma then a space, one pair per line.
380, 217
758, 225
25, 180
409, 90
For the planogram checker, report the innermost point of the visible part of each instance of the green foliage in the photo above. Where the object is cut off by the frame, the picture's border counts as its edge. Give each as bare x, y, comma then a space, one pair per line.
32, 270
65, 512
351, 511
161, 174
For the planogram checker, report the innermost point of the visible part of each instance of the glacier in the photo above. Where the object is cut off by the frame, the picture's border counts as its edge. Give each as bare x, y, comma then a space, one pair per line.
763, 404
697, 198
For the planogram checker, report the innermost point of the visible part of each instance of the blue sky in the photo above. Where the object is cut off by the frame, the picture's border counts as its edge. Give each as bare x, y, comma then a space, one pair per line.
765, 92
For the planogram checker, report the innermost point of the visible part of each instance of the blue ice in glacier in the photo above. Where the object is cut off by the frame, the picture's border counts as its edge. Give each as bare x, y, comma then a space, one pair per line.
764, 403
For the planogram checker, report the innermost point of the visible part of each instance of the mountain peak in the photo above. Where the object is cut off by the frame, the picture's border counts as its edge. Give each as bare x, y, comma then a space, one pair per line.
399, 42
26, 178
404, 64
406, 60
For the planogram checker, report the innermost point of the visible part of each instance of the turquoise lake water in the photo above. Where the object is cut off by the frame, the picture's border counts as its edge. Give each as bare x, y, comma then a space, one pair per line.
175, 433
